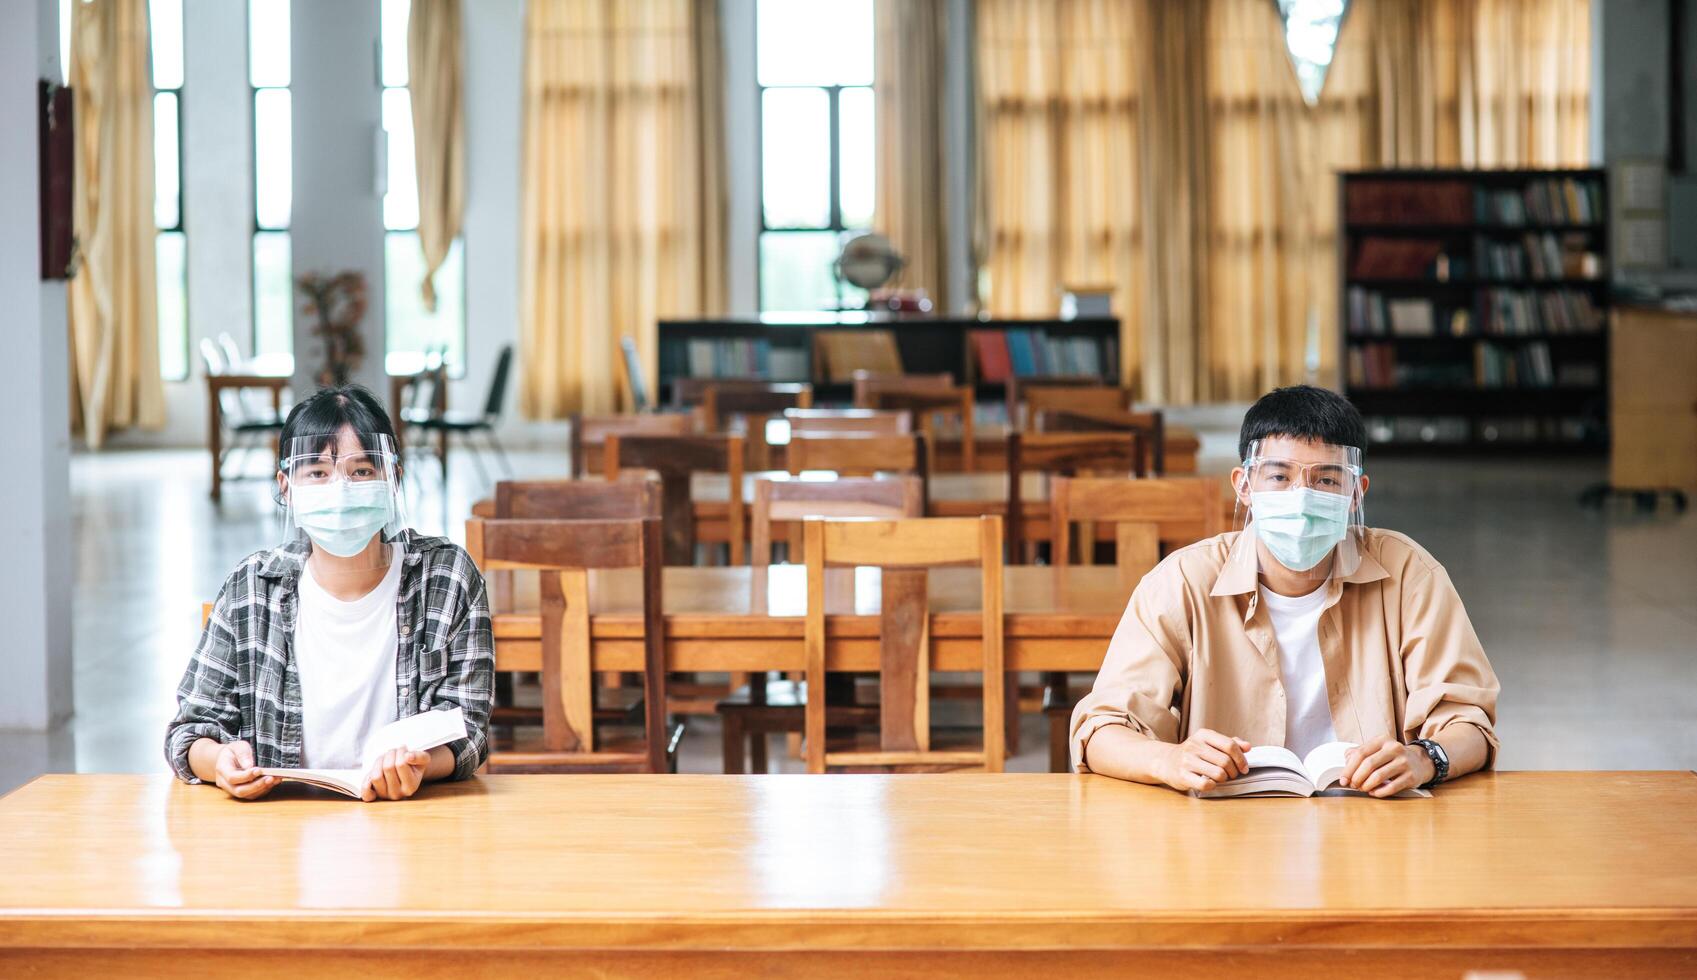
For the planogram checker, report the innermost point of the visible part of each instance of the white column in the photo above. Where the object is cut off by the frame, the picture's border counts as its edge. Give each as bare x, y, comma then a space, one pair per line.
217, 179
337, 223
742, 156
35, 506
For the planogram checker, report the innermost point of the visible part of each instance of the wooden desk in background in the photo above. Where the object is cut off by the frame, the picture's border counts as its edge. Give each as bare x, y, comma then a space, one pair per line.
1533, 874
215, 385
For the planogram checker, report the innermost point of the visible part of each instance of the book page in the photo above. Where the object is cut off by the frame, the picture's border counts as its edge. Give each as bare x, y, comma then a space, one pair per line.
419, 733
348, 781
1273, 756
1325, 763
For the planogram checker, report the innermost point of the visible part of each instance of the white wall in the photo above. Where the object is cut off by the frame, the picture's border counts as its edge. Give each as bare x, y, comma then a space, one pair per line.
35, 579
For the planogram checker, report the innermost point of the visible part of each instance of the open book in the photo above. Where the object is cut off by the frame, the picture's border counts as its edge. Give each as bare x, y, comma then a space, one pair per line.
1276, 771
420, 733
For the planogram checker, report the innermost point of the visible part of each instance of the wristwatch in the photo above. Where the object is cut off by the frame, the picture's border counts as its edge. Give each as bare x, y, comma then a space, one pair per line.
1440, 761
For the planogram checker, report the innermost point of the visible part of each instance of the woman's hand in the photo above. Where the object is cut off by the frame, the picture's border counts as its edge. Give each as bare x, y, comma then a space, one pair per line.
235, 773
1385, 767
1204, 760
396, 775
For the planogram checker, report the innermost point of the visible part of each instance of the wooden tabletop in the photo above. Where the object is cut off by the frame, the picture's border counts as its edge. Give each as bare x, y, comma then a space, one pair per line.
744, 618
1499, 865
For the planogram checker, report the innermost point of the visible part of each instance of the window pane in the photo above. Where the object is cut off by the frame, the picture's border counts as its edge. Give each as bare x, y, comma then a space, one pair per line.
400, 199
395, 13
859, 163
171, 259
411, 330
273, 168
268, 42
165, 26
796, 157
815, 42
795, 270
273, 294
167, 172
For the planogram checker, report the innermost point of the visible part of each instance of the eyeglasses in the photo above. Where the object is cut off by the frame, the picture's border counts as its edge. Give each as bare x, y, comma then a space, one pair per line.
1271, 473
315, 470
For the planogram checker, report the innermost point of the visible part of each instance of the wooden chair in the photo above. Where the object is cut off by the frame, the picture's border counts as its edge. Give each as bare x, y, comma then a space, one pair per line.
564, 553
857, 455
1067, 453
772, 706
1019, 390
755, 402
1150, 517
905, 550
577, 500
925, 396
848, 421
676, 459
589, 435
1150, 425
838, 355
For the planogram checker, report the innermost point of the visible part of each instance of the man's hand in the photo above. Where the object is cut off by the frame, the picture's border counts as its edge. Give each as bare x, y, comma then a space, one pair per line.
396, 775
236, 774
1385, 767
1204, 760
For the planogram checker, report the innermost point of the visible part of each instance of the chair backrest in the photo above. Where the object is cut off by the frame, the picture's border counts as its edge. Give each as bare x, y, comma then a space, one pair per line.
839, 354
756, 403
1150, 425
426, 390
590, 432
230, 403
925, 396
797, 500
497, 399
564, 552
232, 352
577, 500
866, 421
1028, 396
1063, 453
211, 357
633, 375
676, 459
1150, 517
905, 550
858, 455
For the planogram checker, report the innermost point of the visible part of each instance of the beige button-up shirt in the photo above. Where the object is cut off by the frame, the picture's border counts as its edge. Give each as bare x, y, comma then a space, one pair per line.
1196, 650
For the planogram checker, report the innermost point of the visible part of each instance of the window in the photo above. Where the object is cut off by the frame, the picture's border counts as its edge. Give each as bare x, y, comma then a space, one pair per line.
273, 176
170, 247
1311, 34
411, 331
817, 164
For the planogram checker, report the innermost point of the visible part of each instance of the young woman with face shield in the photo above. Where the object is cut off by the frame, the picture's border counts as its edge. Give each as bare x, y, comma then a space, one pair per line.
353, 622
1301, 628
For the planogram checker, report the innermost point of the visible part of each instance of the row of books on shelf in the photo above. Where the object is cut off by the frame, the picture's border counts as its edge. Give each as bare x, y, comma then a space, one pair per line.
1538, 256
1004, 354
733, 358
1453, 429
1543, 201
1377, 365
1501, 312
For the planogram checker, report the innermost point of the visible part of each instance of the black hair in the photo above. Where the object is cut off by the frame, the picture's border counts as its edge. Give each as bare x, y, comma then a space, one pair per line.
323, 416
1303, 412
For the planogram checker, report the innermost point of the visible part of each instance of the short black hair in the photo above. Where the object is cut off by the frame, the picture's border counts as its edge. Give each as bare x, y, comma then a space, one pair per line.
323, 416
1303, 412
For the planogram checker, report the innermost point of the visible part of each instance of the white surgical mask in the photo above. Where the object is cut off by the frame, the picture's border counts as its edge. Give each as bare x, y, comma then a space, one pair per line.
341, 516
1302, 526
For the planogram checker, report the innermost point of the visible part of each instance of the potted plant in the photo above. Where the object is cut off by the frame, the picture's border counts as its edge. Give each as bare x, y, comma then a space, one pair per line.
337, 304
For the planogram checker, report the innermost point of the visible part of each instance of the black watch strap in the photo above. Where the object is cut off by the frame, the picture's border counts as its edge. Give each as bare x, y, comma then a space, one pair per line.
1440, 761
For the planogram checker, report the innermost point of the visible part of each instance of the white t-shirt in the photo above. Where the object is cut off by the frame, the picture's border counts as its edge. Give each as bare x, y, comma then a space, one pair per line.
1296, 625
345, 653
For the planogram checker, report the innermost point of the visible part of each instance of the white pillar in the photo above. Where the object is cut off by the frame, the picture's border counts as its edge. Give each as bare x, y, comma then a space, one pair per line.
35, 506
217, 181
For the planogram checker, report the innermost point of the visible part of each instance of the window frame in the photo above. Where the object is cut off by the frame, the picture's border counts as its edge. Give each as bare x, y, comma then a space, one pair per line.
255, 229
179, 227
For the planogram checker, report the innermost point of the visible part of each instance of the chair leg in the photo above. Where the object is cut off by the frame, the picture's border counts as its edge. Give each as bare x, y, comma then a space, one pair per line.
757, 750
500, 453
1059, 735
476, 458
731, 722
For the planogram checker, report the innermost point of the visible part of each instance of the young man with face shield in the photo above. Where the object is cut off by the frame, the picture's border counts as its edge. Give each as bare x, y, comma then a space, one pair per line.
354, 622
1303, 628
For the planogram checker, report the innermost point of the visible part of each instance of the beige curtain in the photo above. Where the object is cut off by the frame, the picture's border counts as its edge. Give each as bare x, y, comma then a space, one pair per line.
436, 83
1061, 89
908, 94
113, 313
623, 188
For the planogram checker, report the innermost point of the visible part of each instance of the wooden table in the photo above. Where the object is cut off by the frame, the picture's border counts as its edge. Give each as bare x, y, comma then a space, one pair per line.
748, 619
256, 377
1540, 874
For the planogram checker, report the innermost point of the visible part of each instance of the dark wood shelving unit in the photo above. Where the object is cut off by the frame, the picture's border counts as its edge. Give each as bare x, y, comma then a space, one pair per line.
1538, 387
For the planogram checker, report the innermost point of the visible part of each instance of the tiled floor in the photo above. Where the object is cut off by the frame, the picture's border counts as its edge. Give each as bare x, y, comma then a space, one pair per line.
1589, 618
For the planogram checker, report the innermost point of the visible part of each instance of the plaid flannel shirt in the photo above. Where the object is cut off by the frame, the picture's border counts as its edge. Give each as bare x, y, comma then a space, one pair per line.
242, 682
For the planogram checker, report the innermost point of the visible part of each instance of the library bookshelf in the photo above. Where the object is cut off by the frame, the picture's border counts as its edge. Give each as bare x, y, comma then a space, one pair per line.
1474, 308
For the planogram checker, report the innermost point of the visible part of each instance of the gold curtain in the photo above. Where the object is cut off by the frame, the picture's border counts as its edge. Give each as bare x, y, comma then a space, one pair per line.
623, 188
113, 310
1060, 105
908, 95
436, 84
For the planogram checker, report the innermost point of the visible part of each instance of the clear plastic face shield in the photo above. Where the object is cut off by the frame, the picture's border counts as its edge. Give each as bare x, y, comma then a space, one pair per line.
342, 494
1299, 506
